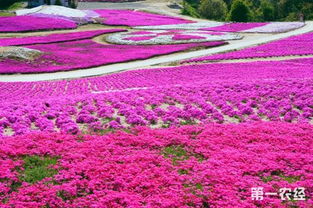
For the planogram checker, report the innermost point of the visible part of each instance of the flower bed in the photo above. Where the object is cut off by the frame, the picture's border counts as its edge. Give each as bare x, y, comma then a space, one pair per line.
156, 37
87, 53
104, 16
184, 26
211, 165
136, 18
276, 27
60, 12
255, 27
223, 93
32, 23
296, 45
55, 38
235, 27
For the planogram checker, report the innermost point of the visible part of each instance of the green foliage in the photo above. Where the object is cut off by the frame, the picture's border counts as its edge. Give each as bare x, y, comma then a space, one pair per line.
278, 175
37, 168
10, 4
255, 10
73, 3
307, 10
213, 9
179, 153
188, 9
58, 2
6, 14
239, 12
187, 122
267, 10
293, 16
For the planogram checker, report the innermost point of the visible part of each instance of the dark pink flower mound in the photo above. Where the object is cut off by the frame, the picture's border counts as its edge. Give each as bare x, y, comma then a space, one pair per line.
236, 27
33, 23
293, 46
137, 18
193, 166
87, 53
161, 97
55, 38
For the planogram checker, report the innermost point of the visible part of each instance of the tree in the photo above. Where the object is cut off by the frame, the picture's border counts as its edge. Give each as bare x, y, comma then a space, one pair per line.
307, 10
5, 4
213, 9
58, 2
239, 12
48, 2
267, 10
73, 3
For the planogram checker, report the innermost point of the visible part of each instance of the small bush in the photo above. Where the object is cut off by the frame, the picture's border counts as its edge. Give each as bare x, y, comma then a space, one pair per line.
239, 12
213, 9
293, 16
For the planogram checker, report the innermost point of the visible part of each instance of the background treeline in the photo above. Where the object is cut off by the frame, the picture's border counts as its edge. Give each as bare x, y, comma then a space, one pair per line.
9, 4
245, 10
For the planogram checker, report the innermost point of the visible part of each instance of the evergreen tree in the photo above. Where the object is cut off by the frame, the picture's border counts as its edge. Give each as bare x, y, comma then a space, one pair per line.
213, 9
58, 2
239, 12
267, 10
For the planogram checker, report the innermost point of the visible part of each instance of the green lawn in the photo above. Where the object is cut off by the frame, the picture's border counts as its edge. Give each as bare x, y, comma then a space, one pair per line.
6, 14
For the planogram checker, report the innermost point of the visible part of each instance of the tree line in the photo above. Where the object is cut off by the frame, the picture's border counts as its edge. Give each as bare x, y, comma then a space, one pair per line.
249, 11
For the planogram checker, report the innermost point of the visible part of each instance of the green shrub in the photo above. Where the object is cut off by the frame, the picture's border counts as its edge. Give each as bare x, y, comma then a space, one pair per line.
213, 9
58, 2
293, 16
307, 10
239, 12
268, 11
188, 9
9, 4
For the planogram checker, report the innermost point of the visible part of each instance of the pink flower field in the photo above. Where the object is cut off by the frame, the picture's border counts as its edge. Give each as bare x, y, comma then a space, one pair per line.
136, 18
32, 23
167, 134
235, 27
296, 45
55, 38
195, 166
64, 55
223, 93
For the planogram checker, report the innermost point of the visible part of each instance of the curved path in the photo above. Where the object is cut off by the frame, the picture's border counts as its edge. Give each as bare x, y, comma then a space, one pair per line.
249, 40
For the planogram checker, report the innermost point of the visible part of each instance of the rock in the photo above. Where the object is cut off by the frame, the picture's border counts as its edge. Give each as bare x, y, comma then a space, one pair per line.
19, 53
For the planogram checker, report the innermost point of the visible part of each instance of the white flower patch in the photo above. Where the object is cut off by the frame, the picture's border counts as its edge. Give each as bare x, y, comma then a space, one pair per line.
58, 11
156, 37
186, 26
276, 27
